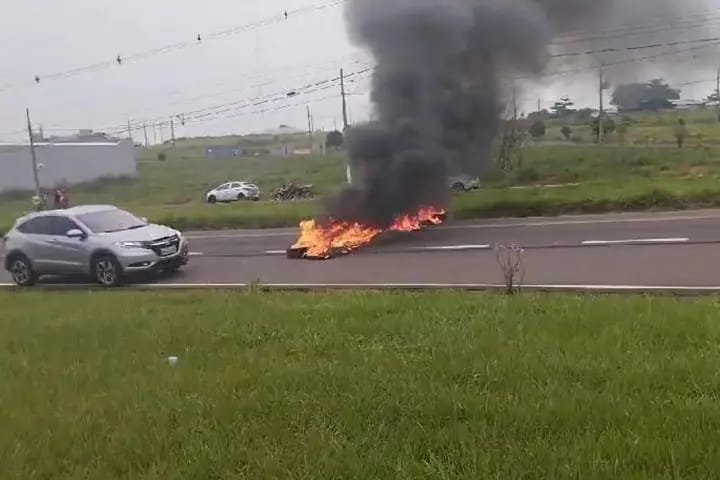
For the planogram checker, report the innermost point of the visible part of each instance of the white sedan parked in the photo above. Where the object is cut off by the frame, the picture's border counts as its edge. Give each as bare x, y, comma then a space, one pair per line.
232, 192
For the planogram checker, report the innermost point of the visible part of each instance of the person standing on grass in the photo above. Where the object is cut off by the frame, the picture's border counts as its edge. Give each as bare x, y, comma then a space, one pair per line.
64, 200
57, 199
681, 133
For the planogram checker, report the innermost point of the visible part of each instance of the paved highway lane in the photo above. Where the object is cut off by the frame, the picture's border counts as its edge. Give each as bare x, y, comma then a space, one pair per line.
659, 228
661, 249
675, 265
694, 265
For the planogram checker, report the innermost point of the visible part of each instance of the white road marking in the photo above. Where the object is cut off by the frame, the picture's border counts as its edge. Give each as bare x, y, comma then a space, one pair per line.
452, 248
551, 223
576, 220
639, 240
269, 233
557, 185
196, 254
429, 248
392, 286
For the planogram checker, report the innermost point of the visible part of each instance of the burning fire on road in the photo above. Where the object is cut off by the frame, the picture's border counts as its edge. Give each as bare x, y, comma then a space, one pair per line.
326, 240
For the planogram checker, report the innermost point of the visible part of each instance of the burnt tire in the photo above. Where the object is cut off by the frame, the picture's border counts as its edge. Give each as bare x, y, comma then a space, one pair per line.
241, 197
212, 199
107, 271
21, 270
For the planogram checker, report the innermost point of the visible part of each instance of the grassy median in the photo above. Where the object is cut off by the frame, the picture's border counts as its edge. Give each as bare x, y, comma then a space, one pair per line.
553, 180
366, 385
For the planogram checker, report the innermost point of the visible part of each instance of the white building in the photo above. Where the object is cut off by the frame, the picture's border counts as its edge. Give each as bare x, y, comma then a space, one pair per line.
65, 163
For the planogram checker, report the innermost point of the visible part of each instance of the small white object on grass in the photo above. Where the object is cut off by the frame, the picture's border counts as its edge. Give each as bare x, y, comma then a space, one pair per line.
172, 361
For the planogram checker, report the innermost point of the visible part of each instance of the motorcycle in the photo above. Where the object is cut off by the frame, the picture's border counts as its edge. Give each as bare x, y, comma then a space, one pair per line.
294, 192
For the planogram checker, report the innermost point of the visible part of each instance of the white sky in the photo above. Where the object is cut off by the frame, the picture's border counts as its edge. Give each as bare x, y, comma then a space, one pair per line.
48, 36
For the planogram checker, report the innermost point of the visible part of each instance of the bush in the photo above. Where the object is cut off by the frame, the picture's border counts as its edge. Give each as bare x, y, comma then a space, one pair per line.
528, 174
495, 175
334, 139
609, 126
161, 157
566, 132
622, 133
538, 129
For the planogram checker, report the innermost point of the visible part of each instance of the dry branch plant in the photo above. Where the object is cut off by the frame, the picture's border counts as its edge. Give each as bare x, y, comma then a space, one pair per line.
512, 263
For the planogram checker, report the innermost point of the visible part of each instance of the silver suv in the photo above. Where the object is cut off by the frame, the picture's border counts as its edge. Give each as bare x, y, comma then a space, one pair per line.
103, 241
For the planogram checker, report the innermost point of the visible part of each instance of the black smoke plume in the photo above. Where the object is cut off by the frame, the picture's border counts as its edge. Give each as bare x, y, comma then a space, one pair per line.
437, 91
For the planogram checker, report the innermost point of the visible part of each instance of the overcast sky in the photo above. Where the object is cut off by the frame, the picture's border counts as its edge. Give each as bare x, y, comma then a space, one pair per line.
45, 37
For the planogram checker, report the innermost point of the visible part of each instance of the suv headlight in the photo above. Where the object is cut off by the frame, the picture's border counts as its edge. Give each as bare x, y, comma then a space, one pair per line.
130, 244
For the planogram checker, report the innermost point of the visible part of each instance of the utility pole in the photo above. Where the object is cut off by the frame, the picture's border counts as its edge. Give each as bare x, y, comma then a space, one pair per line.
154, 133
601, 132
344, 101
515, 105
310, 132
145, 133
36, 177
346, 124
130, 132
172, 130
539, 106
717, 96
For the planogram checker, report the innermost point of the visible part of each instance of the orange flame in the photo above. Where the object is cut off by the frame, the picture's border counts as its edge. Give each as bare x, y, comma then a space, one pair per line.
322, 241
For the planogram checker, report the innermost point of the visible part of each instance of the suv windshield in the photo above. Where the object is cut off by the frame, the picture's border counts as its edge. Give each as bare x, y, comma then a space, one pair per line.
109, 221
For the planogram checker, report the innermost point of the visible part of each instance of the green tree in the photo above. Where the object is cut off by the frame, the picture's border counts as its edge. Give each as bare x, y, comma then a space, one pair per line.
563, 108
653, 95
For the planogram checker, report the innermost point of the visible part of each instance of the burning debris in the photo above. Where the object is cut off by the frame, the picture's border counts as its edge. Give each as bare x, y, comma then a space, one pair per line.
322, 241
442, 70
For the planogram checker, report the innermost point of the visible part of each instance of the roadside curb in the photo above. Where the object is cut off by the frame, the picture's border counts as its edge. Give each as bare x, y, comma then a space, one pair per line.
475, 287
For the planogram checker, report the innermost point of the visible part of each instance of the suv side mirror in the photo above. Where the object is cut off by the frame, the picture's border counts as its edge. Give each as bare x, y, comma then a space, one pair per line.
76, 233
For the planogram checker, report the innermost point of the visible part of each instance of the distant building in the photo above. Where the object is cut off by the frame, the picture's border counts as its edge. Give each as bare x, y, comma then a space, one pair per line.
82, 136
685, 104
65, 163
283, 130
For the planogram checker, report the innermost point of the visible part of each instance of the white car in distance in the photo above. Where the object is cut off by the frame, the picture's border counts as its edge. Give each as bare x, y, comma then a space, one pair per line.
233, 192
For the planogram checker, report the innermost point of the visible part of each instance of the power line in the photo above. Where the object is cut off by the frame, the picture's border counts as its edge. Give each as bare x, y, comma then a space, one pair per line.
192, 116
674, 23
615, 63
330, 82
38, 78
635, 47
632, 32
299, 72
309, 88
251, 26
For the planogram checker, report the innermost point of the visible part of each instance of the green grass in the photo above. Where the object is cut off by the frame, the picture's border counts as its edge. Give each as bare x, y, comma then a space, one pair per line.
175, 188
365, 385
611, 178
646, 128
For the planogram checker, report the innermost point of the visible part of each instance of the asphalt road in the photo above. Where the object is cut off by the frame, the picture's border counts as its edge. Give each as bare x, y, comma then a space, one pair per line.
649, 249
